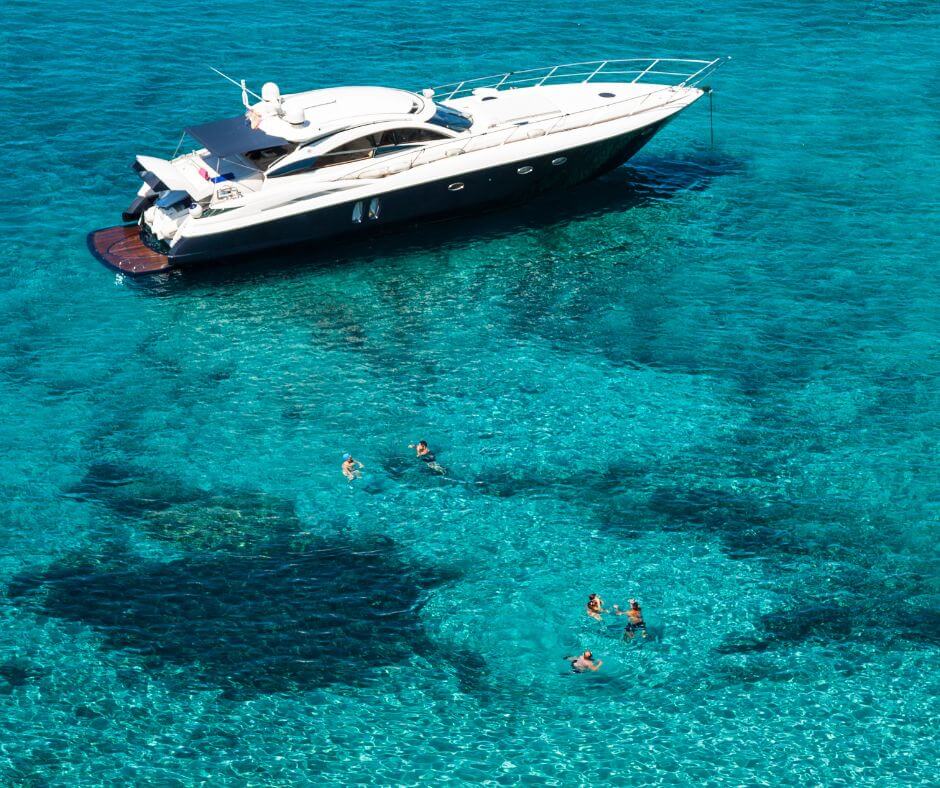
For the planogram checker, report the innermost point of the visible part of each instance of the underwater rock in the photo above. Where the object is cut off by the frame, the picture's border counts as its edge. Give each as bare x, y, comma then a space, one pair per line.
171, 510
866, 613
17, 673
291, 619
826, 621
747, 527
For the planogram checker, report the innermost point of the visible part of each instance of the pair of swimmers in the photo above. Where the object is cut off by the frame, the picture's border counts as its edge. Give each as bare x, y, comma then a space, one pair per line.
594, 607
352, 467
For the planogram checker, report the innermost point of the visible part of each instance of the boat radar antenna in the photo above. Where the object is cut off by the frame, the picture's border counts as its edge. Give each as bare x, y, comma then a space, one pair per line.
241, 84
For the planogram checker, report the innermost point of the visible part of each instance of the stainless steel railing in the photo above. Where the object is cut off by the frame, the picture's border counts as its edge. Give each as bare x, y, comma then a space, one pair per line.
640, 69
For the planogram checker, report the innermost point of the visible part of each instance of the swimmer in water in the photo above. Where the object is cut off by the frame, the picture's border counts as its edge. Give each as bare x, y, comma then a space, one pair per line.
351, 467
584, 662
636, 622
424, 453
595, 606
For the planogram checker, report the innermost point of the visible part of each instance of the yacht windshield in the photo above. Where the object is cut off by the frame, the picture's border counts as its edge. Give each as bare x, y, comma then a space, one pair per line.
451, 119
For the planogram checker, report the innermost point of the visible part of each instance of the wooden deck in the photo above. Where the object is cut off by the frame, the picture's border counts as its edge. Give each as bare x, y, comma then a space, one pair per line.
122, 248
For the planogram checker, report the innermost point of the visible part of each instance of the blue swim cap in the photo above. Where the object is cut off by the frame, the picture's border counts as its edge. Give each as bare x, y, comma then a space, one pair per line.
347, 457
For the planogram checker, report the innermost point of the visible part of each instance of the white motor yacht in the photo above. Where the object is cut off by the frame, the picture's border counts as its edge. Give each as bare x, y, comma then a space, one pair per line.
305, 167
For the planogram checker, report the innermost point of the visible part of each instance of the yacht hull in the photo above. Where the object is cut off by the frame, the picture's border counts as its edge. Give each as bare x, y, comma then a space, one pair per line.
480, 189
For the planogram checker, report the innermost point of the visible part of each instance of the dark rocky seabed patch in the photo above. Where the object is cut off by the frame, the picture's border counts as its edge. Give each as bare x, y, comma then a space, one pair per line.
290, 619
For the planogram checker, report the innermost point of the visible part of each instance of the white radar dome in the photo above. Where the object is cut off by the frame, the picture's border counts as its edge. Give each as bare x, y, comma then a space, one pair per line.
294, 114
271, 92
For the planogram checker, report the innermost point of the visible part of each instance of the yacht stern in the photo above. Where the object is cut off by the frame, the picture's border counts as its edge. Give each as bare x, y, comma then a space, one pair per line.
122, 248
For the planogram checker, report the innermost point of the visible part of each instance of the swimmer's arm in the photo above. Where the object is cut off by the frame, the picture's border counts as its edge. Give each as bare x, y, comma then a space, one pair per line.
597, 664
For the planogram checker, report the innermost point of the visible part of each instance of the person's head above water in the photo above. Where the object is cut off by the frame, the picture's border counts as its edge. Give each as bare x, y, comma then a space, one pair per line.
347, 457
587, 655
634, 604
422, 444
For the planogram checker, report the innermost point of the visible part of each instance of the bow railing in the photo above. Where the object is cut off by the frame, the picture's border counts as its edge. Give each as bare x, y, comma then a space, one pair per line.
680, 73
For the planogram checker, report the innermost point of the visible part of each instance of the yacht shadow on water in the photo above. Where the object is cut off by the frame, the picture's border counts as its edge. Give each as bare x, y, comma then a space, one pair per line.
646, 180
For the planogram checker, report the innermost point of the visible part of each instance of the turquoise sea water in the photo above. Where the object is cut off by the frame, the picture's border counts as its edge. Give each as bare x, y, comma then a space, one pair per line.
708, 380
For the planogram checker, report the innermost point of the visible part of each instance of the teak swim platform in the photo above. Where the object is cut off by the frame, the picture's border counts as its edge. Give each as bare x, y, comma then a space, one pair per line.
122, 248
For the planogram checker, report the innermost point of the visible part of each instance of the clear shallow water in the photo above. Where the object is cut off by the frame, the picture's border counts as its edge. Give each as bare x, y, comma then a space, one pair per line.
708, 380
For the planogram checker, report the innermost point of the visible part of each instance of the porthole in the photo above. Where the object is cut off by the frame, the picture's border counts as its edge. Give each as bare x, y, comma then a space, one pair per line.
607, 95
559, 161
525, 170
455, 187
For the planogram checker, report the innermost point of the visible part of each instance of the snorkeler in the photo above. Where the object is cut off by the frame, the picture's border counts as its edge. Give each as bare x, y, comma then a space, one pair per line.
595, 606
584, 662
350, 469
425, 454
636, 622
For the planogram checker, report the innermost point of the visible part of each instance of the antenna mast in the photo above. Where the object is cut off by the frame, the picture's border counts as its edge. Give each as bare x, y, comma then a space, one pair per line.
241, 85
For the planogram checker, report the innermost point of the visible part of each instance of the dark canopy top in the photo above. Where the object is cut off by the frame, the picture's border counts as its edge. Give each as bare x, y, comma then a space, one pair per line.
233, 135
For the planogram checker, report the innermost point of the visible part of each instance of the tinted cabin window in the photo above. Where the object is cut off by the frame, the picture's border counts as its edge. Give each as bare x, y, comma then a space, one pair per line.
410, 136
362, 148
396, 139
